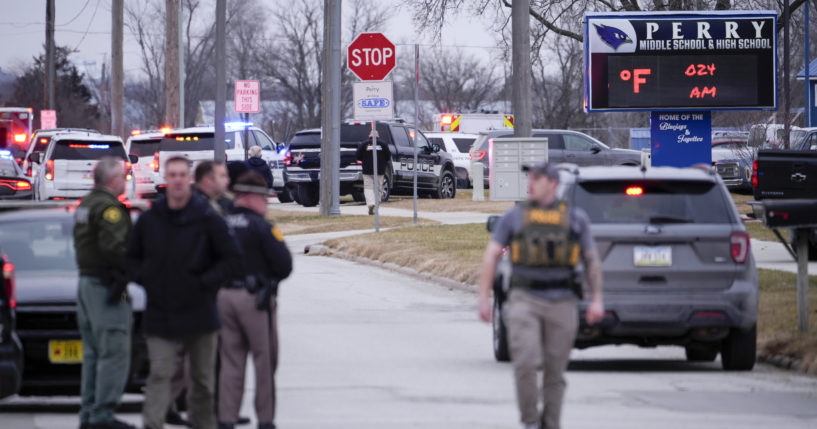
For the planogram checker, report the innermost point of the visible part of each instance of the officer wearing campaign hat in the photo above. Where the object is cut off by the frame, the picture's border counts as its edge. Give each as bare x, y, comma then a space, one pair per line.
546, 239
248, 306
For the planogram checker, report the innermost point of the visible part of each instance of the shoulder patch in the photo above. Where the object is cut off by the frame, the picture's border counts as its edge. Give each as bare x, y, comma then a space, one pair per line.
277, 233
112, 214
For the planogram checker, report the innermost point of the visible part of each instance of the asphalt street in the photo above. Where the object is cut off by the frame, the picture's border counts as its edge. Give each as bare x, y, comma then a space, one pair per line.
367, 348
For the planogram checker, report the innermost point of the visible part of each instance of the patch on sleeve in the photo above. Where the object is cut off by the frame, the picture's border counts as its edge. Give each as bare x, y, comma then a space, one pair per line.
112, 214
277, 234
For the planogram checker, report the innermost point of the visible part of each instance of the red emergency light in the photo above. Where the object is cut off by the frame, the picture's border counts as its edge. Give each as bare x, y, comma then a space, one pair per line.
634, 191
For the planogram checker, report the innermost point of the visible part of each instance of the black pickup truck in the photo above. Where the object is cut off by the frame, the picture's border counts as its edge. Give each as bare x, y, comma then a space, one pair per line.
789, 175
435, 173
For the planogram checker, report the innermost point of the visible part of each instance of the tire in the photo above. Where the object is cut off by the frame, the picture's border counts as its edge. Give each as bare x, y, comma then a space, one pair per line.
284, 196
447, 187
500, 337
739, 349
308, 195
701, 353
358, 196
385, 188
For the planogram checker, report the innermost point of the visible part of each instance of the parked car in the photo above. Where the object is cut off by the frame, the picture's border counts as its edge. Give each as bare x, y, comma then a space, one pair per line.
65, 169
459, 146
676, 264
143, 146
11, 350
564, 146
40, 243
435, 168
732, 157
13, 183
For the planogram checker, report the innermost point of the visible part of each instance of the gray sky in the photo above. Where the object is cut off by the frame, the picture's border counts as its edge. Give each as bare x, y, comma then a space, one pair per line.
85, 25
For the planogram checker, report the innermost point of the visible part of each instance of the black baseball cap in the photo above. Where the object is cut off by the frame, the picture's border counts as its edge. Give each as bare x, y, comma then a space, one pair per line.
544, 168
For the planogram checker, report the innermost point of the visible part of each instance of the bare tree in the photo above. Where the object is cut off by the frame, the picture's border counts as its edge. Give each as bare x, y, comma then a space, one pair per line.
457, 82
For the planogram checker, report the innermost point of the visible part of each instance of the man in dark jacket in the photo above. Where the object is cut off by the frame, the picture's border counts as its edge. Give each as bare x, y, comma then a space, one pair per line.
182, 252
257, 164
211, 182
365, 154
248, 307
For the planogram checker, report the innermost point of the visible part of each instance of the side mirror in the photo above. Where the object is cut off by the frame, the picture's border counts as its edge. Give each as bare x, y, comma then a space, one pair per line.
34, 157
492, 220
133, 159
595, 150
435, 148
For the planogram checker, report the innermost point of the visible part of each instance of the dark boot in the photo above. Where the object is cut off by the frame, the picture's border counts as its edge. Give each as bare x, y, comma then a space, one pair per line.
174, 418
242, 420
222, 425
266, 425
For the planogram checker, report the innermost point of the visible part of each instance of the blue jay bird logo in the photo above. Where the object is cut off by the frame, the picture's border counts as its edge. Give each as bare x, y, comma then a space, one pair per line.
612, 36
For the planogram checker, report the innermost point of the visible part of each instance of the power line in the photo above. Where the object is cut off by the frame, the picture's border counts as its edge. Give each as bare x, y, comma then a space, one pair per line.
77, 15
89, 25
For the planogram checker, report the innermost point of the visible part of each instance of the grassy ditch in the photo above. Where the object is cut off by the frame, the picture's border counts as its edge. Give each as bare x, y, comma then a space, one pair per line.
462, 202
291, 222
455, 252
759, 231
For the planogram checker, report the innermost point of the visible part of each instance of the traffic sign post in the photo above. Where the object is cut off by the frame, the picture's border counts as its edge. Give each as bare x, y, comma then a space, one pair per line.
247, 100
48, 119
371, 57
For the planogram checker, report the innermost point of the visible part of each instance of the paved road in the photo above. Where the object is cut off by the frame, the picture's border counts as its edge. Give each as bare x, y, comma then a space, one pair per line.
366, 348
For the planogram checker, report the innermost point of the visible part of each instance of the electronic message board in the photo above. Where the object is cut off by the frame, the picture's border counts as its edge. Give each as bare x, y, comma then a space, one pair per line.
673, 61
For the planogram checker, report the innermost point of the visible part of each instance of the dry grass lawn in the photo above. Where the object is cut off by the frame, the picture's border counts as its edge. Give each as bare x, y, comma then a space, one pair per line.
461, 203
740, 202
291, 223
455, 252
759, 231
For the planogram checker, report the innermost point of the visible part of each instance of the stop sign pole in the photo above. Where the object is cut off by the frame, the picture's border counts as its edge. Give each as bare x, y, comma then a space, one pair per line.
371, 57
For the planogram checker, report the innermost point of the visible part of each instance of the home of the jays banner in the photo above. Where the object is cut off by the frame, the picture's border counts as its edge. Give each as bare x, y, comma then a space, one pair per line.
672, 61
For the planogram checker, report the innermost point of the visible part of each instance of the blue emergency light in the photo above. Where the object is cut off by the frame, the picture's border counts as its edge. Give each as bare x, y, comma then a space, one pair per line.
237, 124
5, 154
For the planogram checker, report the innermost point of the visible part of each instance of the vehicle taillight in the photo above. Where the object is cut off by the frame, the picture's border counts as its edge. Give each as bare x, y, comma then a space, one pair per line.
155, 164
477, 154
359, 162
49, 170
754, 174
288, 158
9, 282
16, 185
740, 247
128, 171
634, 191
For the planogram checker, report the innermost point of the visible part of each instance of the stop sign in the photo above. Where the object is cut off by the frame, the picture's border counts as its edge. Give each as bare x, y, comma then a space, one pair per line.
371, 56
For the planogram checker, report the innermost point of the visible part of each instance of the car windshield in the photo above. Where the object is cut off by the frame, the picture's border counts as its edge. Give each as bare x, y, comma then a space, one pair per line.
39, 245
86, 149
144, 147
306, 138
356, 133
660, 202
41, 143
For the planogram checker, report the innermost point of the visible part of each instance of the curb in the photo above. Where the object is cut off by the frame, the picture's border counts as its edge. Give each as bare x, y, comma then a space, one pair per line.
788, 363
321, 250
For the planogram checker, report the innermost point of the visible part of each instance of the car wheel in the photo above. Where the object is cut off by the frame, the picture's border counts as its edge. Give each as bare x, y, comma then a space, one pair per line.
701, 353
448, 186
358, 196
308, 195
385, 188
501, 353
284, 196
739, 349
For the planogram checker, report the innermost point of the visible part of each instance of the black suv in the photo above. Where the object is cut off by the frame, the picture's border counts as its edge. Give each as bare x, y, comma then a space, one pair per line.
11, 352
435, 174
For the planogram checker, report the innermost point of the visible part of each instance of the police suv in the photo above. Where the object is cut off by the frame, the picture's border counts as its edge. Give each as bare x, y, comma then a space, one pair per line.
197, 144
143, 145
459, 146
65, 169
435, 169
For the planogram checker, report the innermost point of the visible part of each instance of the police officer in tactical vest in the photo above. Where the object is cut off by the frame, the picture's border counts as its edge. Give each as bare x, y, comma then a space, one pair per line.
101, 229
546, 239
247, 307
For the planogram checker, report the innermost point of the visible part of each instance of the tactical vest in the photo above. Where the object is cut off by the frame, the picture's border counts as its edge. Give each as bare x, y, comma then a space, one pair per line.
545, 242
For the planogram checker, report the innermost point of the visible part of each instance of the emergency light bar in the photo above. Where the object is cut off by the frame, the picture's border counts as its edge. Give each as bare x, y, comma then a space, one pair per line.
89, 146
237, 124
5, 154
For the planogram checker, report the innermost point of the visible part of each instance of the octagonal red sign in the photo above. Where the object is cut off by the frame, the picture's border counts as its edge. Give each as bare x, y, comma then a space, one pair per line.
371, 56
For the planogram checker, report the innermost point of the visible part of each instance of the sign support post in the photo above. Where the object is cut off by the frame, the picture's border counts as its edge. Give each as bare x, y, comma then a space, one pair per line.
416, 123
376, 180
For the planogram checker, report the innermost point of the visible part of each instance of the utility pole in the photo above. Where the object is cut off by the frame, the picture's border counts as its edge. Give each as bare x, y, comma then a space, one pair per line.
330, 117
50, 72
182, 75
520, 39
117, 71
221, 77
171, 63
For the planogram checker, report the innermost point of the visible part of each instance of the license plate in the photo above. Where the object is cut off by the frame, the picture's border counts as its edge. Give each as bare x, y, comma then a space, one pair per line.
647, 256
65, 351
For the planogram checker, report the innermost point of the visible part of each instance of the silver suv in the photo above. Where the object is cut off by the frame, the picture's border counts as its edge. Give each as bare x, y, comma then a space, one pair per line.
676, 260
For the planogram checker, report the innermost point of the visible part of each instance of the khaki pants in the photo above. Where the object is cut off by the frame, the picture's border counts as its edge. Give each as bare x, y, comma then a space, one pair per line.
164, 357
540, 334
368, 187
246, 330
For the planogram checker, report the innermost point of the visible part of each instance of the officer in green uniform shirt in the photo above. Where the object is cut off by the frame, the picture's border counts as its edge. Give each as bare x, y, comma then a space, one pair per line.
546, 239
101, 229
